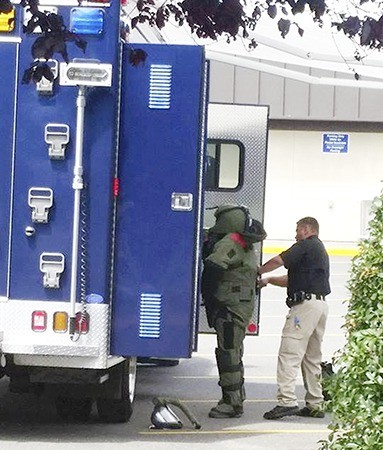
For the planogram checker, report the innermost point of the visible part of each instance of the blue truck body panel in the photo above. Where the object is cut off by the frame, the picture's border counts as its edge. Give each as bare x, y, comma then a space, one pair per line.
33, 168
139, 250
7, 96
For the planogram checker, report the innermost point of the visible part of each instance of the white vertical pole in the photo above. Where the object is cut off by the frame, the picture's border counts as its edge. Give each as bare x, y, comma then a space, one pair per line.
77, 186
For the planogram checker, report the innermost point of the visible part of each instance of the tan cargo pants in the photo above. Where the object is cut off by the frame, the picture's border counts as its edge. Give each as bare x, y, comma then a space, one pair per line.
300, 348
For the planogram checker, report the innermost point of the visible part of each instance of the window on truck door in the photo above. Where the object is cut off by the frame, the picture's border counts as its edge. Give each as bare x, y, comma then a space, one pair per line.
224, 165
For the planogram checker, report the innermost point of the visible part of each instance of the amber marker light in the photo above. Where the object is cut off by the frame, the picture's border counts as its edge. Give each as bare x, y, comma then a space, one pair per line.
60, 322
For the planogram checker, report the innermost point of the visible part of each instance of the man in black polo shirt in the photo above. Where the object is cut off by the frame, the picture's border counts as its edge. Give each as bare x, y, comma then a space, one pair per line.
307, 283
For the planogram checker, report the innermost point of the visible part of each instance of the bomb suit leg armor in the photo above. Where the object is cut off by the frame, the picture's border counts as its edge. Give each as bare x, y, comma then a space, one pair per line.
230, 336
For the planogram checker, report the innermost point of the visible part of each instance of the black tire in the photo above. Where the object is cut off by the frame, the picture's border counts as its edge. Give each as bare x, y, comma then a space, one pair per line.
119, 410
73, 409
168, 362
160, 362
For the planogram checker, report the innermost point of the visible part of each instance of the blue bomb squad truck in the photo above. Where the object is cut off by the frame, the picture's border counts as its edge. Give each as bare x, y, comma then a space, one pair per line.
106, 176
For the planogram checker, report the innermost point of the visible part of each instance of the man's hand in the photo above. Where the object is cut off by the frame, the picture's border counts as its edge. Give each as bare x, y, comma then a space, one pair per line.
261, 283
280, 281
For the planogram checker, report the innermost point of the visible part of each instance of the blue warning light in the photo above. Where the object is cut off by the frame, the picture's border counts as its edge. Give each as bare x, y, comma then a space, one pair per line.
88, 21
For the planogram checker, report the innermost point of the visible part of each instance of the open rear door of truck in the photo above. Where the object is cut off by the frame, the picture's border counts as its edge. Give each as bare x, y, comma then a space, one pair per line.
154, 310
236, 169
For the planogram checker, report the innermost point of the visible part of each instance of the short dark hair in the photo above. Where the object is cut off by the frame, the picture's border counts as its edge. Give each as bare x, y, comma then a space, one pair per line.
310, 222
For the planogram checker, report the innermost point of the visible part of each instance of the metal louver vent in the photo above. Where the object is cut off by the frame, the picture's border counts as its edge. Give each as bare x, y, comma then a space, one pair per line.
150, 316
160, 86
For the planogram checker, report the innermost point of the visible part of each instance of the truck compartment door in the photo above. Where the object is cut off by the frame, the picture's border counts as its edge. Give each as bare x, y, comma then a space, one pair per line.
159, 205
236, 169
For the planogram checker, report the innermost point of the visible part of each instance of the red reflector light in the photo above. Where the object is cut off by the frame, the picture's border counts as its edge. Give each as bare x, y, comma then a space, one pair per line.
39, 321
252, 328
82, 322
116, 186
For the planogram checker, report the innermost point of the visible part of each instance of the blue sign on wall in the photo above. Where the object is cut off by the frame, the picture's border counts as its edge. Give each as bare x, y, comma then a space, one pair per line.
335, 143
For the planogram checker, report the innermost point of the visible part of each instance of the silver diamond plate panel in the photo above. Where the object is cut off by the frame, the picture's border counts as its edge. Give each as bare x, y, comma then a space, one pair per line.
249, 125
52, 349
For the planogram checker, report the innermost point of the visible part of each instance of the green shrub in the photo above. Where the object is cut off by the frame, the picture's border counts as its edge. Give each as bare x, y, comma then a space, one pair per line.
356, 390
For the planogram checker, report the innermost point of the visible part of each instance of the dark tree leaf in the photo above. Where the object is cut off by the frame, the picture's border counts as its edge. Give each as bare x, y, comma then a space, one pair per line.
299, 7
256, 13
272, 11
32, 23
134, 22
59, 46
140, 5
31, 5
318, 7
253, 43
356, 76
137, 57
301, 31
27, 76
284, 26
379, 30
366, 35
81, 43
124, 31
144, 18
47, 72
358, 56
38, 73
228, 17
351, 26
55, 22
5, 6
160, 18
42, 48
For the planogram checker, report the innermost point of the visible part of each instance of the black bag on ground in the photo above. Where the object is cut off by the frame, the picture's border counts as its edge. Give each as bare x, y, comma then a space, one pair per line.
327, 373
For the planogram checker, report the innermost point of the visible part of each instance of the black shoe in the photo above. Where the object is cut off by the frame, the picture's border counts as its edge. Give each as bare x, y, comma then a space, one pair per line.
307, 412
281, 411
225, 411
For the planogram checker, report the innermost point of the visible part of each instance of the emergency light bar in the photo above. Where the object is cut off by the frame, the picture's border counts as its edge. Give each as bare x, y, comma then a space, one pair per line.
87, 21
83, 73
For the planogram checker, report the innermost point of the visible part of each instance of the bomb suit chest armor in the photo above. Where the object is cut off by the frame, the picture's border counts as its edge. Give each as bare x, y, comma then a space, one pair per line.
236, 290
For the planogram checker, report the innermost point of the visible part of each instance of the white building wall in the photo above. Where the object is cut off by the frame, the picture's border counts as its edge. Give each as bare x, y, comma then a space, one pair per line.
302, 180
295, 100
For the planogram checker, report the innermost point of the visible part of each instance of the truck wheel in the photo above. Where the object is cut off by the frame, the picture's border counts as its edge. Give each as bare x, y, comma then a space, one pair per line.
118, 410
76, 409
160, 362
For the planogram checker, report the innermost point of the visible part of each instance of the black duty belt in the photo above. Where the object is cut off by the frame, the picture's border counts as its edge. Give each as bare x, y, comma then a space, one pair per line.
301, 296
316, 296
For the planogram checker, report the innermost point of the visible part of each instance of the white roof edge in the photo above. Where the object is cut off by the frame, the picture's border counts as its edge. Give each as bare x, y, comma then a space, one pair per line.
294, 75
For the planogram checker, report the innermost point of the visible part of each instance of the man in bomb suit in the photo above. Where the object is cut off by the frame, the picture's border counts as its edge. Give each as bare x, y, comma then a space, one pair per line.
228, 291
